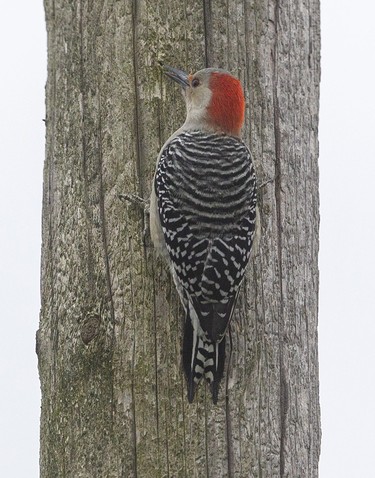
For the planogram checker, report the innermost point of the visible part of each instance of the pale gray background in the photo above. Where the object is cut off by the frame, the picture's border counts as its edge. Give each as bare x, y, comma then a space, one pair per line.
347, 258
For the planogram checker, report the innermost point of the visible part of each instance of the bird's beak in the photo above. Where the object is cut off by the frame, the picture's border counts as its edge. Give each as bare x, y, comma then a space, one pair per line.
177, 75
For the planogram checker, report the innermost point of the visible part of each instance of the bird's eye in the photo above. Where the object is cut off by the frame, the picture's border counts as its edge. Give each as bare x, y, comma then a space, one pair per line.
195, 83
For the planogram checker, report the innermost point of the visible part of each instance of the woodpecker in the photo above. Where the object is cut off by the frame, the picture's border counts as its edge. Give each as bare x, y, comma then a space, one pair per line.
202, 215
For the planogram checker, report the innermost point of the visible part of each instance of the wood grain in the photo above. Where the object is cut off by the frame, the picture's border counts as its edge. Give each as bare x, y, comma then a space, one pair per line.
113, 392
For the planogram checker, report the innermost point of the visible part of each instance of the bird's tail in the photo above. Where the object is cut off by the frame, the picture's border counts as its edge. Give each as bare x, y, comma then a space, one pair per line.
201, 357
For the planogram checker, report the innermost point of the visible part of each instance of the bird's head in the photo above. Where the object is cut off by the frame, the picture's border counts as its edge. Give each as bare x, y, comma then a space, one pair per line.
214, 100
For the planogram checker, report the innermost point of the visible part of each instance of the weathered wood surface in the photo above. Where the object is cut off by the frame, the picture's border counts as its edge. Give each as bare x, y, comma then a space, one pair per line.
113, 392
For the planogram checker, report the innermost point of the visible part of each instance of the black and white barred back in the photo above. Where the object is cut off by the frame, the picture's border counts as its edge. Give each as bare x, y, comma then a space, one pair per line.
206, 190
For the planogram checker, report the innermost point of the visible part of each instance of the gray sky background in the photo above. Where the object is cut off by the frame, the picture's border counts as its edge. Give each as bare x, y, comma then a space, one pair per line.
347, 258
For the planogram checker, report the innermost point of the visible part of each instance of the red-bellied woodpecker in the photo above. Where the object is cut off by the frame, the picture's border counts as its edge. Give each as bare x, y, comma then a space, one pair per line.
202, 215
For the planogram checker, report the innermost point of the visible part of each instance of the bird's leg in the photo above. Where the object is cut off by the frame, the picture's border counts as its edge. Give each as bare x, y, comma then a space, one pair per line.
267, 181
134, 199
144, 206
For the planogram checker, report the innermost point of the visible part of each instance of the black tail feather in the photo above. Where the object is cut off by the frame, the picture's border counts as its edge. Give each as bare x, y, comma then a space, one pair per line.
208, 361
186, 359
218, 375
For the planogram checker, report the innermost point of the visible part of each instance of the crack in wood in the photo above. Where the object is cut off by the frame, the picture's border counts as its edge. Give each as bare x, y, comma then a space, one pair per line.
207, 22
228, 419
137, 113
278, 198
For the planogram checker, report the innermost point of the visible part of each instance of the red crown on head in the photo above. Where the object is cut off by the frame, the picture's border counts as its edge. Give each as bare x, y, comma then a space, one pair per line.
227, 106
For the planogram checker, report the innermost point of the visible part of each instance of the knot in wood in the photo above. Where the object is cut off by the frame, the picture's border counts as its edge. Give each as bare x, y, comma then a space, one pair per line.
90, 329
